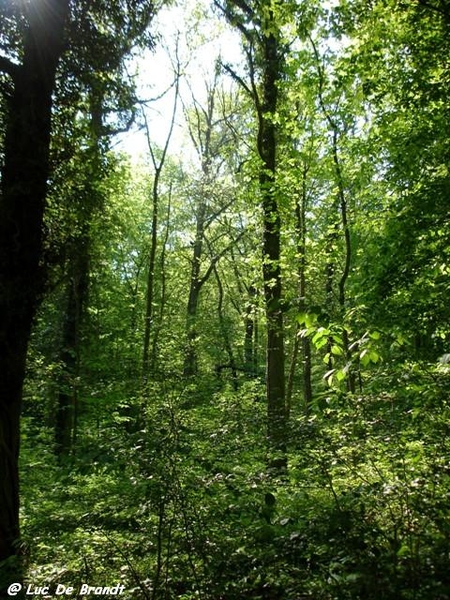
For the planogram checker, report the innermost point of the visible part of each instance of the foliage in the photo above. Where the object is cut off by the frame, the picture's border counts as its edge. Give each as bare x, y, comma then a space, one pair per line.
168, 486
184, 507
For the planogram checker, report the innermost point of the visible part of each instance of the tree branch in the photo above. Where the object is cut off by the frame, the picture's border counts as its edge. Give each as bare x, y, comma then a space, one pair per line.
237, 78
320, 73
217, 213
216, 259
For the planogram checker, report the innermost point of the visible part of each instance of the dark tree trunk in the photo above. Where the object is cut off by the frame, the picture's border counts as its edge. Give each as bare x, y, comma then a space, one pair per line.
149, 309
224, 330
67, 407
260, 30
64, 416
163, 294
23, 191
330, 269
195, 285
351, 381
267, 146
250, 363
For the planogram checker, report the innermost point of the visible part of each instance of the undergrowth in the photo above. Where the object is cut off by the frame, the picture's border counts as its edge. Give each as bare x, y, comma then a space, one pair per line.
183, 506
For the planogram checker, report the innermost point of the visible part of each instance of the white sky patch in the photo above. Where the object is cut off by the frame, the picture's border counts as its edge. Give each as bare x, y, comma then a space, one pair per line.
202, 38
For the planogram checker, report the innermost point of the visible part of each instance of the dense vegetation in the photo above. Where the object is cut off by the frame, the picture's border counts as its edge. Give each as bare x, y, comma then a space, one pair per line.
230, 354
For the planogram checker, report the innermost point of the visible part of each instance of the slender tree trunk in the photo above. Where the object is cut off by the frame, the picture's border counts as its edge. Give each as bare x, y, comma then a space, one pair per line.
23, 191
330, 269
267, 147
64, 417
224, 330
250, 322
304, 342
195, 284
163, 295
158, 166
149, 308
250, 364
258, 23
67, 407
342, 208
351, 380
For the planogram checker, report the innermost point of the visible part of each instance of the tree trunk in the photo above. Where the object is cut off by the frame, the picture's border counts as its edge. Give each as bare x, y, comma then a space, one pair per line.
343, 209
260, 30
224, 330
250, 363
149, 308
23, 191
163, 295
158, 165
267, 146
67, 407
300, 227
195, 284
351, 381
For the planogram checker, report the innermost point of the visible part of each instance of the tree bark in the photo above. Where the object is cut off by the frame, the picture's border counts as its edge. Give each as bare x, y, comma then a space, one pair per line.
224, 330
23, 191
267, 147
163, 294
195, 285
305, 342
351, 380
250, 327
260, 30
67, 407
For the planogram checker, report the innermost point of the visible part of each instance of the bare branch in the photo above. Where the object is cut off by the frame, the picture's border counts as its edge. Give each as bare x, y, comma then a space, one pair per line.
196, 142
177, 75
148, 101
237, 78
217, 213
218, 256
320, 72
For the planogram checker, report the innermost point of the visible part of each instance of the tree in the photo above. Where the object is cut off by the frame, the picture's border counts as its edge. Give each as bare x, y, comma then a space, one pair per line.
35, 39
260, 25
158, 165
24, 180
211, 196
408, 95
78, 196
301, 205
341, 207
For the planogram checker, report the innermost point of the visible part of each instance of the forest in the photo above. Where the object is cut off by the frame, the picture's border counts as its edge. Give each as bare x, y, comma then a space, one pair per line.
224, 299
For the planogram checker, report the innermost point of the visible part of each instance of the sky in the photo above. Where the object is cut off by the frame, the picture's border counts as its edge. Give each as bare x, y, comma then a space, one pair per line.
201, 38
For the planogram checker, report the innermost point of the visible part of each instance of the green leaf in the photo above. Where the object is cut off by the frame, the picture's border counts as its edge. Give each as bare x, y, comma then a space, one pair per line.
337, 350
374, 356
322, 333
340, 375
364, 357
